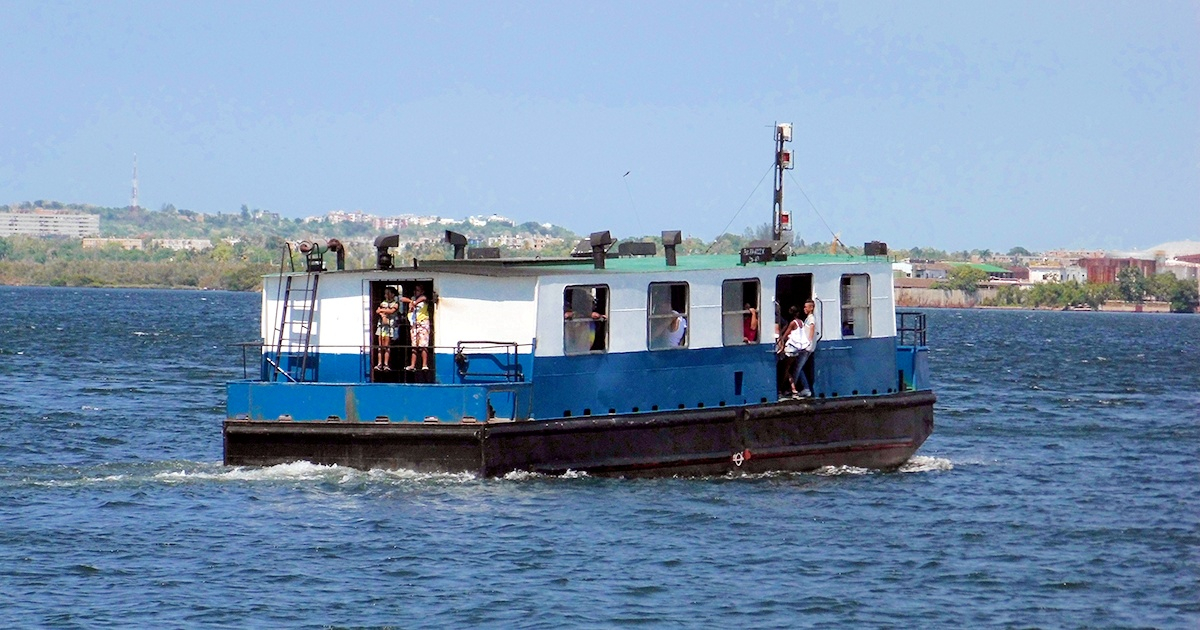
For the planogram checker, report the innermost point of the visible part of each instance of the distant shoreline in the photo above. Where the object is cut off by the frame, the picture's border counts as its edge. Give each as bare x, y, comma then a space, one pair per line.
1156, 308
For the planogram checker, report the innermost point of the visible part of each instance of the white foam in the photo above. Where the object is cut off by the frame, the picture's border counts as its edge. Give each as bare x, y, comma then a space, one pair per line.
523, 475
308, 471
833, 471
82, 481
295, 471
925, 463
412, 475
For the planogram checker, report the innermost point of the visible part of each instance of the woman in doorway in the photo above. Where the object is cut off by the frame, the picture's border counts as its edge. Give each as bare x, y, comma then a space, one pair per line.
797, 343
418, 309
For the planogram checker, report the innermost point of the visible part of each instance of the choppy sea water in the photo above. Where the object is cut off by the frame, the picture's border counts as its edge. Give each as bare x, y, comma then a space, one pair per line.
1061, 488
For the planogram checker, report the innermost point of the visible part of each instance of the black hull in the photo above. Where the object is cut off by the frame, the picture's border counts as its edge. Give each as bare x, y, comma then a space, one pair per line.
879, 432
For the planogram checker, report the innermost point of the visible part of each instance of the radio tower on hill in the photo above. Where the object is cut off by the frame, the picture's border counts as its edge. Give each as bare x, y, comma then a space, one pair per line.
134, 204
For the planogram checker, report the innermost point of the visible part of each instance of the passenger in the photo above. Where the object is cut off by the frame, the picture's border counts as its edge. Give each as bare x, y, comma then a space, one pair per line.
418, 312
668, 327
677, 329
385, 331
797, 344
750, 324
583, 330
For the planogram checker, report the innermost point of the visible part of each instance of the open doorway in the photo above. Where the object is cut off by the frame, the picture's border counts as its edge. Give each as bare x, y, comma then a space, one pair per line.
404, 309
791, 292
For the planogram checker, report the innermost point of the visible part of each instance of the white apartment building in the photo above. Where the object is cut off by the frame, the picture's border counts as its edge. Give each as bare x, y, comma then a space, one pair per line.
179, 244
49, 223
123, 243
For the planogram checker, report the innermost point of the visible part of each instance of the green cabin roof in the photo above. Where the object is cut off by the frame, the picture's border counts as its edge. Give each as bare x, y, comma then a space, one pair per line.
644, 264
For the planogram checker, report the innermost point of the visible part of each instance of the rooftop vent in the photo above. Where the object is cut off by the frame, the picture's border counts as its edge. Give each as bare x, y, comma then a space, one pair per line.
383, 259
600, 242
313, 256
459, 241
671, 239
337, 248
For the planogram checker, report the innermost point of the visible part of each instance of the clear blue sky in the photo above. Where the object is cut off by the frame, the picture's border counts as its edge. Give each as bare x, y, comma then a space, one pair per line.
957, 125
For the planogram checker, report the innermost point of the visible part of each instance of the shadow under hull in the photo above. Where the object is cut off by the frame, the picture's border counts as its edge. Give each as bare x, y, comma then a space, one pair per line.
879, 432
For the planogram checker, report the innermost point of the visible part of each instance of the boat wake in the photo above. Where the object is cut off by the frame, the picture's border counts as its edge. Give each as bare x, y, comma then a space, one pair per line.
925, 463
307, 471
522, 475
181, 473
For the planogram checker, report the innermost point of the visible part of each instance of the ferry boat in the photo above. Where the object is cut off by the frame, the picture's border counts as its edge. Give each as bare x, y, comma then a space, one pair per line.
618, 361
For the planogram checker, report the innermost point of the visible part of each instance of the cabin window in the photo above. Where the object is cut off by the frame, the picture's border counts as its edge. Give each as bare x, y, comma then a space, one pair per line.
667, 322
856, 305
740, 317
585, 319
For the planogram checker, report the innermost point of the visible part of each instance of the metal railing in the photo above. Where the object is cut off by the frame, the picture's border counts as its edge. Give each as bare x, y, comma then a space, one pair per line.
910, 328
509, 369
503, 355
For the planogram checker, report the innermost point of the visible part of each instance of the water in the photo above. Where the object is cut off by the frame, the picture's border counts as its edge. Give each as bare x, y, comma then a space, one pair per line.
1061, 488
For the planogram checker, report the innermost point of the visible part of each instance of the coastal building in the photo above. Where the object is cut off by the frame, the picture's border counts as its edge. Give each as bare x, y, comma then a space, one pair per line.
1019, 273
341, 216
181, 244
391, 223
123, 243
522, 241
933, 271
480, 221
42, 222
1074, 254
1105, 270
1047, 272
1184, 268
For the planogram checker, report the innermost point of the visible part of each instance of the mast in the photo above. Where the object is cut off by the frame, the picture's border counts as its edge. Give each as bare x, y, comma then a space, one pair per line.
781, 227
134, 200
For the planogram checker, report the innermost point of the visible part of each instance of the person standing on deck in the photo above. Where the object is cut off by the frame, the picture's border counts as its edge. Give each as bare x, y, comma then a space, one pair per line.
418, 306
799, 339
385, 331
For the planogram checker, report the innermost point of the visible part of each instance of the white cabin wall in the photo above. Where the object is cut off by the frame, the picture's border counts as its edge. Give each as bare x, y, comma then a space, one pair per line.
827, 286
475, 308
340, 325
883, 316
345, 314
482, 308
628, 300
827, 281
627, 315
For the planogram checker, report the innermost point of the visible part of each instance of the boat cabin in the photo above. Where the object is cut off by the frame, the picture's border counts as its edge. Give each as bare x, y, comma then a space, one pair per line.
539, 339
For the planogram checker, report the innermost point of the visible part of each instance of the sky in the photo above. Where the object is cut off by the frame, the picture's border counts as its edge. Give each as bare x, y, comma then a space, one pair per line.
954, 125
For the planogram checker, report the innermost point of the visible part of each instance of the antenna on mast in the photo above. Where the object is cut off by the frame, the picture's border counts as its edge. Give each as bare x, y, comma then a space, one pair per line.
134, 203
781, 218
